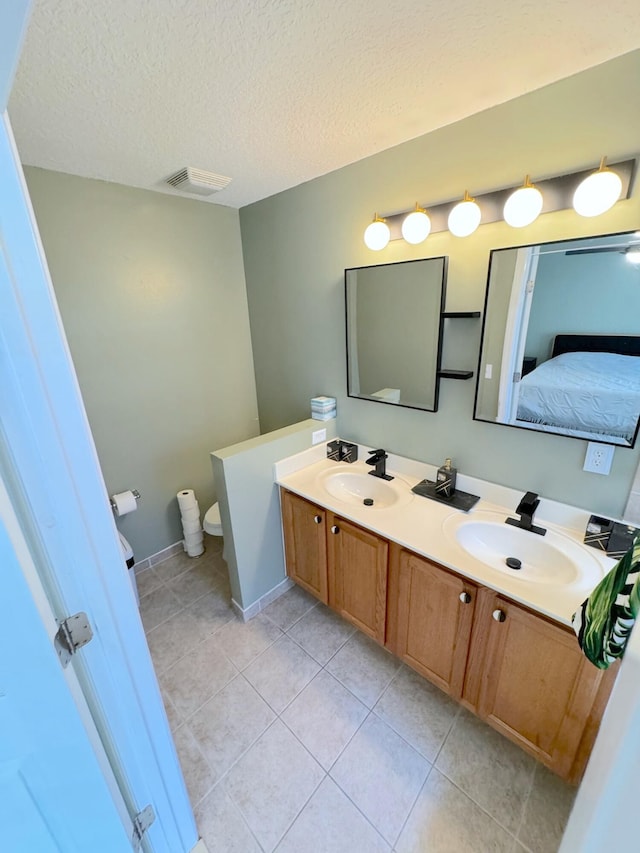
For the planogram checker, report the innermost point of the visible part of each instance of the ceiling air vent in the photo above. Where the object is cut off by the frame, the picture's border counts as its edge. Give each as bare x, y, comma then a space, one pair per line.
190, 180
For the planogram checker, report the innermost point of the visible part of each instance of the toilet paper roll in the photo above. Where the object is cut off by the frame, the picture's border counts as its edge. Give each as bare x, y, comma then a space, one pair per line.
125, 502
193, 538
186, 499
191, 526
196, 550
192, 514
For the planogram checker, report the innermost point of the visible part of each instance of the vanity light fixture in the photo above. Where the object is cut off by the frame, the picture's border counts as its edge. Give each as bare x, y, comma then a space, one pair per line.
465, 217
376, 235
416, 226
518, 206
598, 192
523, 206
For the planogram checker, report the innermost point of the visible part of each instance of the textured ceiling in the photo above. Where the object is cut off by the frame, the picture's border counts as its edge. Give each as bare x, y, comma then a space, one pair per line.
276, 92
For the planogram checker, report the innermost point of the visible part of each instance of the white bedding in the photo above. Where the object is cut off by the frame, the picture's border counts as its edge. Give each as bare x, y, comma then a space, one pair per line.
590, 392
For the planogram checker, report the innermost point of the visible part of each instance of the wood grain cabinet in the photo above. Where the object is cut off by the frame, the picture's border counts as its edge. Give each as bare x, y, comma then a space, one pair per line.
338, 562
520, 672
357, 564
430, 614
527, 677
304, 527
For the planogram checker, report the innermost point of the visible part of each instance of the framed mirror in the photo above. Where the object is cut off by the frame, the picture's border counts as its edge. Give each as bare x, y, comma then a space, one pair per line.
394, 332
560, 348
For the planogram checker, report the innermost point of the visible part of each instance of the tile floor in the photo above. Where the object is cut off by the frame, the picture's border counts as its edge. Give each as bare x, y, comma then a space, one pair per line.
297, 733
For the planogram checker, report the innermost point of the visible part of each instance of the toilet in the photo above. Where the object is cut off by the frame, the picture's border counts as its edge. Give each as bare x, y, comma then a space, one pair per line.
212, 523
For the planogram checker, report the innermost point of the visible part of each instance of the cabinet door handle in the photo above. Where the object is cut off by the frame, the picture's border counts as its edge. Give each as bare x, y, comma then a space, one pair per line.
499, 615
464, 597
317, 519
335, 529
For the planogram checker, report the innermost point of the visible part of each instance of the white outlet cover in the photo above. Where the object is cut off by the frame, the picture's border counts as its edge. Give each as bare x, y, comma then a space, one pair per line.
318, 435
488, 370
598, 458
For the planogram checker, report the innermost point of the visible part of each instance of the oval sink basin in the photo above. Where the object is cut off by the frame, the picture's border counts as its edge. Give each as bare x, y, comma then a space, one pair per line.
354, 488
551, 559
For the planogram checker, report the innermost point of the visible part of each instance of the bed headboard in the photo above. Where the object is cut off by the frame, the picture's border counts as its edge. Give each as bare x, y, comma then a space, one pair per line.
621, 344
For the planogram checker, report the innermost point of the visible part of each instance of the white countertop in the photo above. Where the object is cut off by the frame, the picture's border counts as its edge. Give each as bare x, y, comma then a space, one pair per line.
417, 524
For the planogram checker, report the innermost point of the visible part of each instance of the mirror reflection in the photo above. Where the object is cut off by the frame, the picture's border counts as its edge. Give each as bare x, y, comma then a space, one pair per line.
394, 332
560, 348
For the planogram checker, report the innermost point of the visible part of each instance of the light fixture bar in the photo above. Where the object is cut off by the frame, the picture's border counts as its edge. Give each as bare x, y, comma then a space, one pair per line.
557, 193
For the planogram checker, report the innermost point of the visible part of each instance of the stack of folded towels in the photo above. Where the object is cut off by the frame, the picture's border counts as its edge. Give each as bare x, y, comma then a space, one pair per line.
323, 408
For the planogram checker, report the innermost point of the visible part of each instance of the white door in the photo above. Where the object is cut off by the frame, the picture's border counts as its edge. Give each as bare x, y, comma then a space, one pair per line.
52, 475
53, 794
515, 336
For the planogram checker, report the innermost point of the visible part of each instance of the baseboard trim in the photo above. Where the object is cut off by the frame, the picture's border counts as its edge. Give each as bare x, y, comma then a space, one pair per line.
253, 609
158, 557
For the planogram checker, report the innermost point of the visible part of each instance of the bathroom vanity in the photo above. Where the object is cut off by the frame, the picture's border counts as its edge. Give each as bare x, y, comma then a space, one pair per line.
402, 571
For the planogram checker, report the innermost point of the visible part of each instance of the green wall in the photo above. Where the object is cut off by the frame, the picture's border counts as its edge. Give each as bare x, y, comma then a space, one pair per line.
152, 296
582, 293
297, 244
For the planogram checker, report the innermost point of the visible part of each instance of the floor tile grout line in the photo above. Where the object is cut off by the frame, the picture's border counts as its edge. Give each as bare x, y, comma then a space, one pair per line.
284, 722
183, 607
413, 805
482, 808
448, 734
230, 795
224, 775
191, 649
525, 805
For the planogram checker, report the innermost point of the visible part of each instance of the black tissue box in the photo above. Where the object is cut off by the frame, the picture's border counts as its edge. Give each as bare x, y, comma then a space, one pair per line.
612, 537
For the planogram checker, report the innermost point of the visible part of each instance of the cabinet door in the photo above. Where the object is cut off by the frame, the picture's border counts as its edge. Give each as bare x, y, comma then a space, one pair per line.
304, 526
358, 575
537, 687
430, 618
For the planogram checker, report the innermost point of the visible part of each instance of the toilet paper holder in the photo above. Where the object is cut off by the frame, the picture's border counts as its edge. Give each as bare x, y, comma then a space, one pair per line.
134, 492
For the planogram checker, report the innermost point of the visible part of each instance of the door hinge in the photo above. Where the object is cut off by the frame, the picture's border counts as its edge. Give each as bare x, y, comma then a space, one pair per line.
73, 633
141, 823
517, 376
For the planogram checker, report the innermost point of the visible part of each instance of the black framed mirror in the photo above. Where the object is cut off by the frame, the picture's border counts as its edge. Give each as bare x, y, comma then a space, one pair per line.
394, 332
560, 349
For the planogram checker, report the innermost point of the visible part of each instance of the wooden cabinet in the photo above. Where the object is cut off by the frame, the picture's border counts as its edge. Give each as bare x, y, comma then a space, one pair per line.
524, 674
304, 525
429, 618
527, 677
338, 562
357, 563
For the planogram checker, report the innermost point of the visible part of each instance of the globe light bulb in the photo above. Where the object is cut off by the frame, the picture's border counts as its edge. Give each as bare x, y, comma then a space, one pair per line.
598, 192
465, 217
523, 206
376, 235
633, 255
416, 226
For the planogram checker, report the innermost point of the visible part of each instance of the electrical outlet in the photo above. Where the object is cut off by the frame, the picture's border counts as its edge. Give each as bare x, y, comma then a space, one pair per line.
488, 370
318, 435
598, 458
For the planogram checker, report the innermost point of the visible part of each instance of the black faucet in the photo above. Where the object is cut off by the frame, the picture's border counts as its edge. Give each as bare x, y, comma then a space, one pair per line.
379, 458
526, 509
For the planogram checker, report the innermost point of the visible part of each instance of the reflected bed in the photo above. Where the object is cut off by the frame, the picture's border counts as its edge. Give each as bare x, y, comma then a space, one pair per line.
590, 386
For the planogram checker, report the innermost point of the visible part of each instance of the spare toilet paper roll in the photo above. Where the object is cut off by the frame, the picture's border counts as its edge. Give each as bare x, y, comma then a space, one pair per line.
186, 499
196, 550
192, 514
191, 526
125, 502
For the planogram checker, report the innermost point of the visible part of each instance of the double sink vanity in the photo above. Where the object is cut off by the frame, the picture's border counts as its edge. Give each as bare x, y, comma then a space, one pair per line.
432, 585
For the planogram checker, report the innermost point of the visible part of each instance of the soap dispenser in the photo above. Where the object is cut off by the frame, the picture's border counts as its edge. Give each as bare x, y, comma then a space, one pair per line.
446, 479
